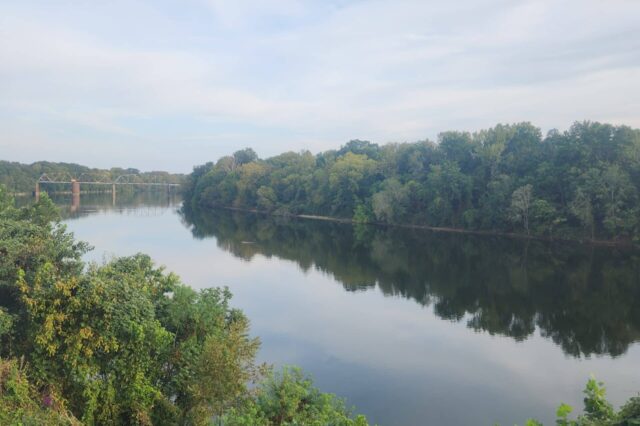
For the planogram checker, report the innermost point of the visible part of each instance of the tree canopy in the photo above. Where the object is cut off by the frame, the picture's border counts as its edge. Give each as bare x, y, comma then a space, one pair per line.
583, 183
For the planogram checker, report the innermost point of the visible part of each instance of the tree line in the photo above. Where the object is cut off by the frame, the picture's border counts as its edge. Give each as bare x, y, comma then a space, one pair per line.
582, 183
20, 178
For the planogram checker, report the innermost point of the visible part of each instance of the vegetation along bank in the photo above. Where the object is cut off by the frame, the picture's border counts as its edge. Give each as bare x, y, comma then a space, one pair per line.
21, 178
580, 184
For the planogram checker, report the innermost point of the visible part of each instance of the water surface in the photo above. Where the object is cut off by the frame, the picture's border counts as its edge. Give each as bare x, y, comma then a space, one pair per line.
412, 327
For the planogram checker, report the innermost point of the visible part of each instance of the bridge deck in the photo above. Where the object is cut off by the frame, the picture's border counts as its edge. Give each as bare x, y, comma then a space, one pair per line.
111, 183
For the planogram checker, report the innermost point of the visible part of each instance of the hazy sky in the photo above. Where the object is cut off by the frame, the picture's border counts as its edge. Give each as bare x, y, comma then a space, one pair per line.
169, 84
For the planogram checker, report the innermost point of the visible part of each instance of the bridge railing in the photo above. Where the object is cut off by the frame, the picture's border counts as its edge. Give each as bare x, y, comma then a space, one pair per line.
88, 178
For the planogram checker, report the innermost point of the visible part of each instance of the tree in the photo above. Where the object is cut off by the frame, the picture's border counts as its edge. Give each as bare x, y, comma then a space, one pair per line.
390, 204
250, 177
213, 355
96, 337
348, 178
245, 156
289, 398
267, 199
495, 202
520, 205
450, 192
522, 151
360, 147
617, 189
544, 217
458, 148
582, 208
20, 403
189, 188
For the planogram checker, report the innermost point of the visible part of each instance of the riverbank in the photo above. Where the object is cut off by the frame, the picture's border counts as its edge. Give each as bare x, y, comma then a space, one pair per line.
627, 244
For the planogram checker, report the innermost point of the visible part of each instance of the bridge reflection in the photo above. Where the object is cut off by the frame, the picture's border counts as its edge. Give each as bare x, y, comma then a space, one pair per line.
62, 180
141, 203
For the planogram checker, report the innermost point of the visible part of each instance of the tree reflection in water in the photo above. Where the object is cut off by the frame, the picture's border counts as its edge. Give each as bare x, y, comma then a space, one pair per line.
586, 299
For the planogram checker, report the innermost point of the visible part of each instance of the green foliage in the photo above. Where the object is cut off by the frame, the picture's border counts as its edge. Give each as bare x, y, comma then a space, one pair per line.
597, 410
362, 214
596, 406
21, 404
449, 193
212, 357
6, 322
347, 181
582, 183
289, 398
629, 414
391, 201
117, 343
29, 239
521, 205
123, 338
562, 414
21, 178
245, 156
96, 336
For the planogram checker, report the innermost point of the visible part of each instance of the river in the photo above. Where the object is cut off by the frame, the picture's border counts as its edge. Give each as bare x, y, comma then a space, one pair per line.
412, 327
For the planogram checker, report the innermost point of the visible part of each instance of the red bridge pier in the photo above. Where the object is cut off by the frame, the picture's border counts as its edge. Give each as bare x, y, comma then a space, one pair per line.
75, 194
75, 187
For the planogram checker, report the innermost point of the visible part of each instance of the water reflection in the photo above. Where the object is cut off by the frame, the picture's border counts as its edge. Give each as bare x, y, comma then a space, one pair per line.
585, 299
142, 203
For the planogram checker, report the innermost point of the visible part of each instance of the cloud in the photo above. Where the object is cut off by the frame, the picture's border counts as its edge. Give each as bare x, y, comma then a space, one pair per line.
297, 74
243, 14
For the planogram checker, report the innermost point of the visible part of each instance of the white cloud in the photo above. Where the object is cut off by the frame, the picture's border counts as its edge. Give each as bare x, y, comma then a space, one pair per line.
296, 74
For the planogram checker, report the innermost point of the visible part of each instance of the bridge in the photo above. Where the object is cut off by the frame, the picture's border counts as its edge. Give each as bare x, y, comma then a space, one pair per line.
96, 179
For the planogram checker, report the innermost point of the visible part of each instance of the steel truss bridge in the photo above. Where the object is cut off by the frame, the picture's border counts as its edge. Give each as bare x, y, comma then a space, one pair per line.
94, 179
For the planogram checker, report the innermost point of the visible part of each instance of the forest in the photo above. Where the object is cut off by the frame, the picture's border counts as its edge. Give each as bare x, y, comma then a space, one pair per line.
20, 178
579, 184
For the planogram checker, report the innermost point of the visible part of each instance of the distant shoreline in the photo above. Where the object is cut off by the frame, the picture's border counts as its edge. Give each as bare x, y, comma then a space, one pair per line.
513, 235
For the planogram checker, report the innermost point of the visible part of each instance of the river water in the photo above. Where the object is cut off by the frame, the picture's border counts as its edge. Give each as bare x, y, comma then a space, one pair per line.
412, 327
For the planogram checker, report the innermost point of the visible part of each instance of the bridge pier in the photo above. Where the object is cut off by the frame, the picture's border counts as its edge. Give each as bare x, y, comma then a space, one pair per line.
75, 187
75, 203
75, 195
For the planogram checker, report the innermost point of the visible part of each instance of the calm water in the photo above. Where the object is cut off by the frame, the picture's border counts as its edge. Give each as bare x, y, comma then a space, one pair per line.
412, 327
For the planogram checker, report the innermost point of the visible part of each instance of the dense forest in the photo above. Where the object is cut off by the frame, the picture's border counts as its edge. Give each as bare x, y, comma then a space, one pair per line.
21, 178
126, 343
582, 183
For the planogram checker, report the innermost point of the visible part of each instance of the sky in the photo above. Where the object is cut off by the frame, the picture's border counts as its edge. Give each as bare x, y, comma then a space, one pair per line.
166, 85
